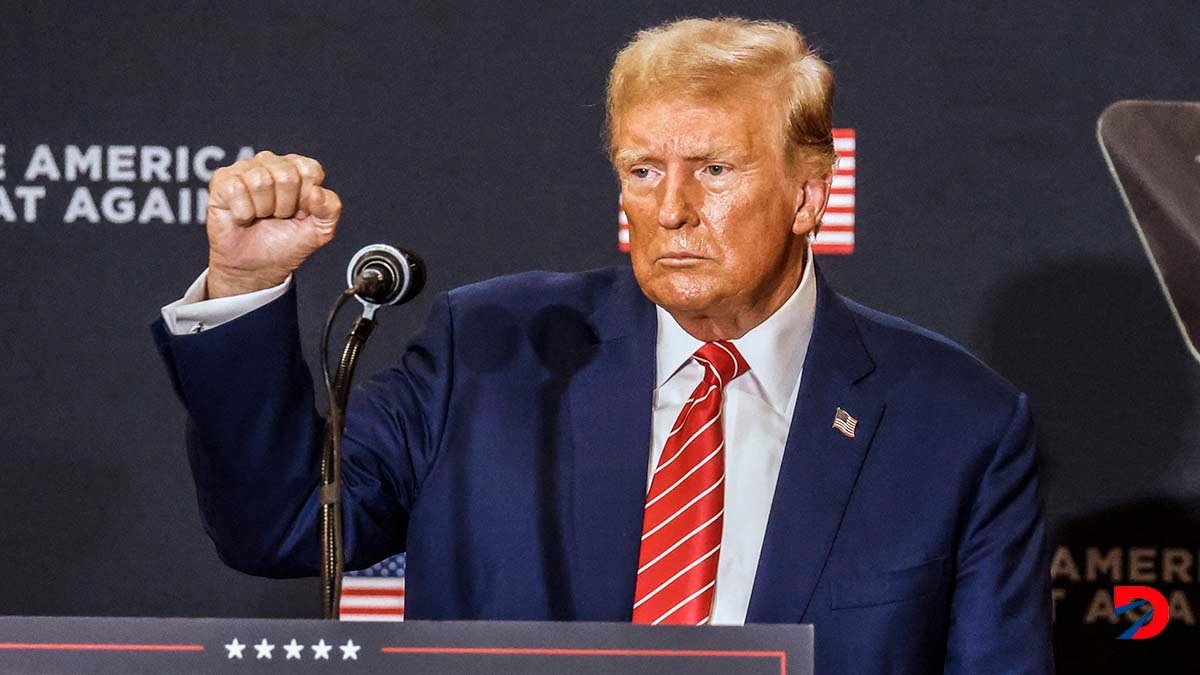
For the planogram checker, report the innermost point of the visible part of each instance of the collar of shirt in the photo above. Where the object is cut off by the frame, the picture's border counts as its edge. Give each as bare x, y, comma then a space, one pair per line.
775, 349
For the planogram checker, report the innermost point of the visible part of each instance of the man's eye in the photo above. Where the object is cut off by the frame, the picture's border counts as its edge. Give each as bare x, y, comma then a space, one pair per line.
715, 169
640, 172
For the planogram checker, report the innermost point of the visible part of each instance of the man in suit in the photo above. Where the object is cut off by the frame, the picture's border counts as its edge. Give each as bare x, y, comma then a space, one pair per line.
712, 436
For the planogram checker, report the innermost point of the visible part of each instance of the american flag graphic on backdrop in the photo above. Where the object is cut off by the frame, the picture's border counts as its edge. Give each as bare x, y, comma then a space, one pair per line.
376, 593
837, 228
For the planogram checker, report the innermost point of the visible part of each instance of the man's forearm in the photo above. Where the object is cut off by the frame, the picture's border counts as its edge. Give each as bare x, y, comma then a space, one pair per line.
253, 438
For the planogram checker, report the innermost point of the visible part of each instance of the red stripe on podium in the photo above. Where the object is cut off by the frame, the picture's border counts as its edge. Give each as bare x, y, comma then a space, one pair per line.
98, 646
531, 651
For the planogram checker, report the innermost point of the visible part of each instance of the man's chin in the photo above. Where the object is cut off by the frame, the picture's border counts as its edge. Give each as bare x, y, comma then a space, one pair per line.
679, 290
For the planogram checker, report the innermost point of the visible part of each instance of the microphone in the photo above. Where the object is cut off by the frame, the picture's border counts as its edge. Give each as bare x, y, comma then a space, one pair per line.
383, 275
378, 275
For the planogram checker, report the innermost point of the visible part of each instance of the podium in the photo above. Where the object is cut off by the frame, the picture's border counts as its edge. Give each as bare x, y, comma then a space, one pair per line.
151, 645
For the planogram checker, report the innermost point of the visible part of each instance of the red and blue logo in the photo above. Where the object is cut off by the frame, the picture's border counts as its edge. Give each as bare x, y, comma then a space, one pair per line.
1152, 622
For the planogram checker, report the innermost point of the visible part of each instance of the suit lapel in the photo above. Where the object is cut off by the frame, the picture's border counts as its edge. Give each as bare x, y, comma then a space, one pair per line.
820, 465
610, 402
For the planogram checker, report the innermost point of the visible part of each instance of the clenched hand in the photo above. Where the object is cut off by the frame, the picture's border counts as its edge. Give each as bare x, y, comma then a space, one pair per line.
266, 216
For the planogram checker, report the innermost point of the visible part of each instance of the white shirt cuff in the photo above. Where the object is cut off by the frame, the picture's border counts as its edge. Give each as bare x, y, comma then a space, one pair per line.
194, 312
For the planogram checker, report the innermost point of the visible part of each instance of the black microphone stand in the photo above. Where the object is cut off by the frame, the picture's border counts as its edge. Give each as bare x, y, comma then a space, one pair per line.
378, 275
331, 453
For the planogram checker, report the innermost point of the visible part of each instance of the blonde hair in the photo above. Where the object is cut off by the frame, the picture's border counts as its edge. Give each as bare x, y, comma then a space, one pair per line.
709, 57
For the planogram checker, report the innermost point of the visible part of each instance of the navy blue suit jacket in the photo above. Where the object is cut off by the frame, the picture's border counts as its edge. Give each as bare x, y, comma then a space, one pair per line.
507, 453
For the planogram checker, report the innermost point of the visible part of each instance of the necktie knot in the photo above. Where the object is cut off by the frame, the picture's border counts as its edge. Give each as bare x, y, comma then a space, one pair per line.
721, 360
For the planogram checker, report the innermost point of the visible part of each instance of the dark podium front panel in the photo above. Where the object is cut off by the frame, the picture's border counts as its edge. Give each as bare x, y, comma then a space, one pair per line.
120, 645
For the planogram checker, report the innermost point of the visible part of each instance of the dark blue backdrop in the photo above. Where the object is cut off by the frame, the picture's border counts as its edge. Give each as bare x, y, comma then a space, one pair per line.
471, 133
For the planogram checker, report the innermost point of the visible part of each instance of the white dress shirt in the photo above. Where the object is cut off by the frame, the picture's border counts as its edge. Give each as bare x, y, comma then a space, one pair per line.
757, 412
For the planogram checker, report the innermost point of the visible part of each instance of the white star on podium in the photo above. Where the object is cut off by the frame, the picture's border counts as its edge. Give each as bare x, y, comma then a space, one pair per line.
264, 649
235, 649
294, 649
350, 650
321, 650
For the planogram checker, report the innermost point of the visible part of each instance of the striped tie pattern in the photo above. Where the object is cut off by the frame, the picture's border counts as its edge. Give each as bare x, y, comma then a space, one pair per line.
681, 527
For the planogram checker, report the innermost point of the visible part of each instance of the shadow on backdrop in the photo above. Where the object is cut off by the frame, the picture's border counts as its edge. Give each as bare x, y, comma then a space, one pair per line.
1114, 390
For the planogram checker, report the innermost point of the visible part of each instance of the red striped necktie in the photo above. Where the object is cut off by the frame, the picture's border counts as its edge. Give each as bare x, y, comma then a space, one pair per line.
681, 527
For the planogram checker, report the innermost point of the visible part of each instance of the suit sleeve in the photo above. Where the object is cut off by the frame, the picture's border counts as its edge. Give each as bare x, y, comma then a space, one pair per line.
254, 439
1000, 612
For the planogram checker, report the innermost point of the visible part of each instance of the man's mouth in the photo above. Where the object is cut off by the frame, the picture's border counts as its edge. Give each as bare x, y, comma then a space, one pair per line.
680, 259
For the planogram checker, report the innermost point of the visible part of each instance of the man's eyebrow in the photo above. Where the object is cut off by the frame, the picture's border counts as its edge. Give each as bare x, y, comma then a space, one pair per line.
691, 154
715, 152
630, 156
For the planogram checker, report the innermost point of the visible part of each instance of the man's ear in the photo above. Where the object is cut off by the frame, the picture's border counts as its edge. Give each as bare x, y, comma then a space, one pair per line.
812, 196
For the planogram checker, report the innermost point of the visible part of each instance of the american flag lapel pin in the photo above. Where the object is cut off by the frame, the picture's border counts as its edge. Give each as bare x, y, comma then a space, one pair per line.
845, 423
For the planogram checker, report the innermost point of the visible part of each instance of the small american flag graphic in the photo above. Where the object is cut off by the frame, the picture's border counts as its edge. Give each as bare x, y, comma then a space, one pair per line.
837, 227
622, 227
845, 423
376, 593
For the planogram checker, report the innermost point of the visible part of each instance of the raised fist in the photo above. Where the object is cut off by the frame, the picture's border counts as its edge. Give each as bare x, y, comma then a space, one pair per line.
266, 216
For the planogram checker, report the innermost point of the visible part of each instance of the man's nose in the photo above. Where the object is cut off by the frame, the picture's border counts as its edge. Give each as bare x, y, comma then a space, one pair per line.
675, 204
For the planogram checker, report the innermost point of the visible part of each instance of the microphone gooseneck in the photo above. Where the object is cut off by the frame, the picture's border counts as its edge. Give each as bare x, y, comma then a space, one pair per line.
378, 275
